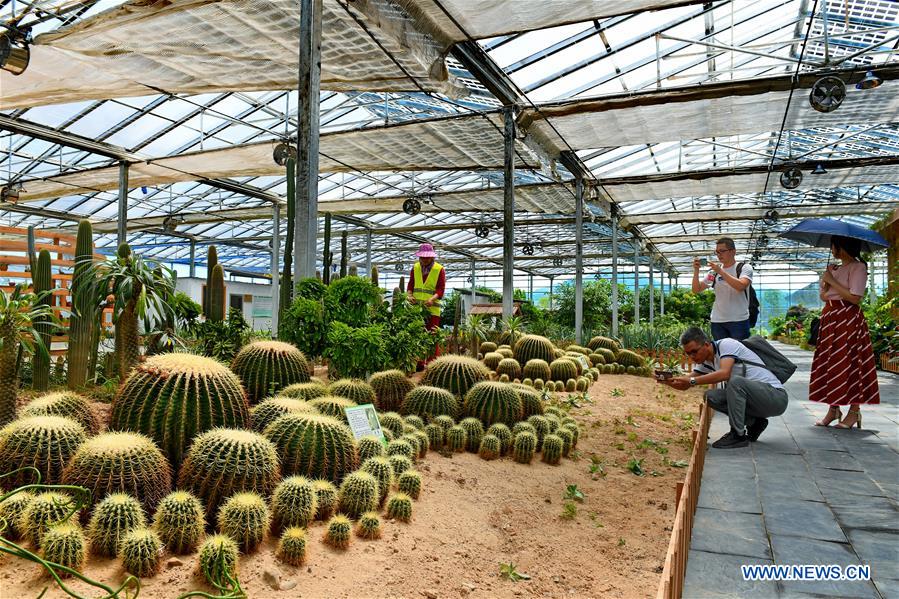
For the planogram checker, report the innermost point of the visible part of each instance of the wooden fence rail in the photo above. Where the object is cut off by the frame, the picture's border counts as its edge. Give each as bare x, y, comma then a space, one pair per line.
687, 495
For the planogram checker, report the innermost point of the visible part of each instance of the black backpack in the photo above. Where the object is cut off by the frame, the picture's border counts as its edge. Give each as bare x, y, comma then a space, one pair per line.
753, 298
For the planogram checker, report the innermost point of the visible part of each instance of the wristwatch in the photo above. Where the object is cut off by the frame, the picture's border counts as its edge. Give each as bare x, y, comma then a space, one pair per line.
692, 381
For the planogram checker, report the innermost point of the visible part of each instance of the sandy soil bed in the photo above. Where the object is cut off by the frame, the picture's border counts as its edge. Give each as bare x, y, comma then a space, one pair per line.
474, 515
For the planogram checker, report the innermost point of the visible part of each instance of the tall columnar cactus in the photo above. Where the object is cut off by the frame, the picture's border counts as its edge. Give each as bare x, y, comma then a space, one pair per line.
531, 400
509, 367
313, 446
11, 510
355, 390
113, 518
294, 503
409, 482
267, 366
43, 442
274, 407
380, 468
174, 397
215, 302
628, 358
523, 447
141, 552
492, 402
31, 245
333, 406
600, 342
474, 430
359, 493
218, 559
121, 462
391, 387
399, 507
64, 544
43, 285
456, 439
429, 402
552, 449
292, 546
83, 319
369, 526
225, 461
244, 517
456, 374
531, 347
563, 369
305, 391
537, 369
337, 534
180, 521
501, 432
65, 404
325, 499
43, 512
375, 275
212, 260
344, 254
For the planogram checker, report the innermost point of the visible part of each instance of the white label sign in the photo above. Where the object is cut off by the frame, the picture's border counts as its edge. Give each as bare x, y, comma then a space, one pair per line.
364, 421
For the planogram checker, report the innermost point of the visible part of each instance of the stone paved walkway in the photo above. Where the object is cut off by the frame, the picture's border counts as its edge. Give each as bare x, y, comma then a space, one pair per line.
801, 495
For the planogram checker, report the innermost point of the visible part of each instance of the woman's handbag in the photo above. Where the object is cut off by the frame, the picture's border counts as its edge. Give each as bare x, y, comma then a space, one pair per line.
813, 327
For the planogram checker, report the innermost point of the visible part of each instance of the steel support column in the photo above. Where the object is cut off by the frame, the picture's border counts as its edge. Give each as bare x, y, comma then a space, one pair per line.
531, 288
636, 281
662, 289
276, 267
368, 237
193, 258
306, 215
508, 209
579, 263
552, 279
122, 224
474, 278
652, 290
614, 276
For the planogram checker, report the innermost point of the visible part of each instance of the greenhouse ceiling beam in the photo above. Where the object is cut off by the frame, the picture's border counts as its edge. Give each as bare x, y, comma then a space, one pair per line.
725, 214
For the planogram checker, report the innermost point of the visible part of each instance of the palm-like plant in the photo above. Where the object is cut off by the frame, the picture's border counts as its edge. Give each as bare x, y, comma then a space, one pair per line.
514, 327
139, 290
19, 312
474, 330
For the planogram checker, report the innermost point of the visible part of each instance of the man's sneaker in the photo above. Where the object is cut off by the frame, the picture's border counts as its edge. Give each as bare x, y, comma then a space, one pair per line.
757, 428
731, 440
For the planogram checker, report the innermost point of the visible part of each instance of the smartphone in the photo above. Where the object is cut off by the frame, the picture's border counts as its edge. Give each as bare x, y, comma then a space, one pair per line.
703, 261
664, 375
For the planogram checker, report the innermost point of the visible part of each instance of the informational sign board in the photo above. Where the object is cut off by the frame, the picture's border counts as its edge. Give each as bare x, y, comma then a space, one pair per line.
363, 421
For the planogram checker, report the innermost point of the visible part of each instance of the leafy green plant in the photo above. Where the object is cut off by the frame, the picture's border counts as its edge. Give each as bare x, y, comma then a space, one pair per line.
303, 325
597, 465
569, 511
617, 392
222, 340
509, 572
310, 288
572, 493
351, 300
406, 340
635, 465
355, 352
621, 542
474, 331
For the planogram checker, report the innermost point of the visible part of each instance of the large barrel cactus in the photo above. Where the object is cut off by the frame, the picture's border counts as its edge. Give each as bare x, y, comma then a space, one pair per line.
626, 358
600, 342
531, 401
332, 405
314, 446
537, 369
534, 347
456, 374
563, 369
66, 404
174, 397
274, 407
43, 442
265, 367
304, 391
428, 402
121, 462
492, 402
224, 461
509, 367
356, 390
391, 387
607, 354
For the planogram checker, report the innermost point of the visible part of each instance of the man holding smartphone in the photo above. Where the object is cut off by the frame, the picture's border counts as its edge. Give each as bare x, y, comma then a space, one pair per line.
730, 282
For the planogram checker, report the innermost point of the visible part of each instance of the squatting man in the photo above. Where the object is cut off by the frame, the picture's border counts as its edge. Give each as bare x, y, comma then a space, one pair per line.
751, 395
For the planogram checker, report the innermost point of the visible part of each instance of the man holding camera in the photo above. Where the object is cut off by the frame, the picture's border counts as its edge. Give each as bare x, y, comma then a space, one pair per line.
730, 282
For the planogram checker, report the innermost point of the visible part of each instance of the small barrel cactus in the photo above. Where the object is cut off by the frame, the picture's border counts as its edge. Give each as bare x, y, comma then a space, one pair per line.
218, 559
424, 443
141, 552
567, 439
537, 369
608, 354
572, 427
113, 518
521, 427
492, 402
581, 385
596, 359
244, 517
325, 499
44, 511
304, 391
539, 384
578, 349
180, 521
524, 446
474, 430
457, 439
313, 446
505, 352
456, 374
552, 449
531, 400
626, 358
294, 503
11, 510
292, 546
359, 493
490, 447
172, 398
370, 447
265, 367
563, 369
430, 402
333, 406
501, 432
43, 442
409, 482
606, 343
436, 436
369, 526
356, 390
414, 443
444, 422
400, 464
486, 347
66, 404
504, 378
533, 347
399, 507
570, 385
541, 428
225, 461
414, 421
337, 534
403, 448
492, 359
64, 544
380, 468
273, 408
554, 411
121, 462
554, 422
509, 367
391, 387
392, 422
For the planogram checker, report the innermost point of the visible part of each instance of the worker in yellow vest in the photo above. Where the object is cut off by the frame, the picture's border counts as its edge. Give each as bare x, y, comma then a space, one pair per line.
427, 282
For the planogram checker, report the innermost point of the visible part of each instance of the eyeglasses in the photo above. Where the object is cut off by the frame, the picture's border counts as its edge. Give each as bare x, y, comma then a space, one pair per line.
719, 252
692, 352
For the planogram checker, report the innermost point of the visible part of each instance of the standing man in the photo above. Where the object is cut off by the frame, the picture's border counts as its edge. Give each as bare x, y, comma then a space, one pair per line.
730, 281
427, 282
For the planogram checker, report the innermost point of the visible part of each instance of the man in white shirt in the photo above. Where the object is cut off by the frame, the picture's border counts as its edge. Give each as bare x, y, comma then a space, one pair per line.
730, 312
752, 394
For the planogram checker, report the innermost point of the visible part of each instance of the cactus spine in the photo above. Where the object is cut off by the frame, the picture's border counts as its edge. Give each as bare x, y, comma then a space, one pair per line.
436, 436
399, 507
64, 545
358, 493
244, 517
218, 559
567, 439
294, 503
392, 422
333, 406
113, 518
325, 499
180, 521
430, 402
355, 390
292, 546
84, 315
402, 447
337, 534
524, 446
305, 391
43, 284
369, 526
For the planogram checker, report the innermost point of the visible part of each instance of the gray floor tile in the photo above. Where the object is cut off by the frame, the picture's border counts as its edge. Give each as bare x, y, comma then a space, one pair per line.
880, 549
733, 533
717, 576
809, 519
733, 495
797, 550
788, 488
889, 589
833, 460
872, 513
837, 485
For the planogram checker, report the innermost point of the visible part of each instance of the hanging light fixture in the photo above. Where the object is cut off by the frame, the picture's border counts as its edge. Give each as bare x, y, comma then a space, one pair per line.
763, 240
557, 262
771, 217
819, 169
10, 193
869, 82
14, 53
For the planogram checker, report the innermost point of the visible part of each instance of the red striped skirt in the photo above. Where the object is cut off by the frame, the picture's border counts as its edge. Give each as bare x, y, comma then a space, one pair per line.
843, 370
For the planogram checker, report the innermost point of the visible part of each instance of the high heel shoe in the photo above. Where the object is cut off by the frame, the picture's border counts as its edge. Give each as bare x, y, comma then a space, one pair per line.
853, 418
832, 414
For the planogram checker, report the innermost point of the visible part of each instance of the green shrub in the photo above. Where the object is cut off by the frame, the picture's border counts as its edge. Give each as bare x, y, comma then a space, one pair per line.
350, 300
355, 352
303, 325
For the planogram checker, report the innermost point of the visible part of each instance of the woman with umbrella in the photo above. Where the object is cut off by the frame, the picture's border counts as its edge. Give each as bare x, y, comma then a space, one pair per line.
844, 372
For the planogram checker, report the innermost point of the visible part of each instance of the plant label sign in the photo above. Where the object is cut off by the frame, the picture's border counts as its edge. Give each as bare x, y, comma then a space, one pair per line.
364, 421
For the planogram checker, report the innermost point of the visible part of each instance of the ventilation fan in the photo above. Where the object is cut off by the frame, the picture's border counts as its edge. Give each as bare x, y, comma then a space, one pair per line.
827, 94
756, 257
791, 178
412, 206
771, 217
9, 194
284, 152
482, 231
169, 224
557, 262
399, 267
527, 249
763, 240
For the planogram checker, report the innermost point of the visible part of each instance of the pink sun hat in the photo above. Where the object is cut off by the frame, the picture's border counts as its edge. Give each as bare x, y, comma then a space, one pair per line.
426, 250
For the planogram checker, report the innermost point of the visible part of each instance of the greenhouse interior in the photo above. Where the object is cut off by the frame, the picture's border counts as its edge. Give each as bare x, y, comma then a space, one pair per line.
449, 298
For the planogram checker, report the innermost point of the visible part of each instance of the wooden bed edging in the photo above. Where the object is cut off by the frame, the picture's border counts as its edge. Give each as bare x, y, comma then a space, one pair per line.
687, 496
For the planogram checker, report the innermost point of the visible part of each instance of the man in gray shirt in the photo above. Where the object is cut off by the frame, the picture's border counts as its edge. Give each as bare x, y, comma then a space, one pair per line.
730, 281
752, 394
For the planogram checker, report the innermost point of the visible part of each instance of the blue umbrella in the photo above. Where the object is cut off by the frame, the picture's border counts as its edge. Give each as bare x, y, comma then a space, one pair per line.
818, 231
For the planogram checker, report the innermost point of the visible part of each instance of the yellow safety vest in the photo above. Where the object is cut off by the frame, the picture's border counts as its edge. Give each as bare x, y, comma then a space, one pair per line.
423, 290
